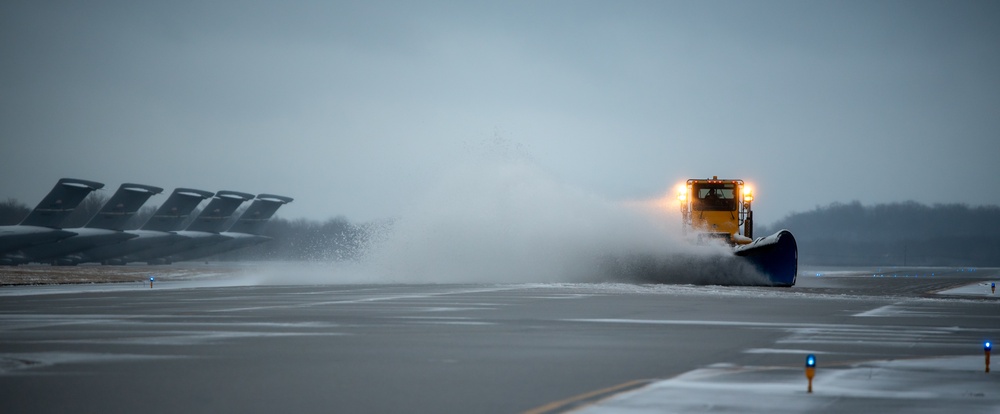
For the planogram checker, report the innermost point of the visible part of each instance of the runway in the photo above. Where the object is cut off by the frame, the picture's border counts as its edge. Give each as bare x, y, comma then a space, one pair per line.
490, 348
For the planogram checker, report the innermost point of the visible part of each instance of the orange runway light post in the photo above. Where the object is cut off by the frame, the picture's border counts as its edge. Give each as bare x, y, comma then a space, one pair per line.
986, 349
811, 369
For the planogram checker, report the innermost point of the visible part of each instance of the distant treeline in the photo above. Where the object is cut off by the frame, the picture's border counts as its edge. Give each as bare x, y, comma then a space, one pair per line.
897, 234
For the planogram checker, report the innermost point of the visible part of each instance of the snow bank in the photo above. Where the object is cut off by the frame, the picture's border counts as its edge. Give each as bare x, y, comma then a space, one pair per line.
945, 384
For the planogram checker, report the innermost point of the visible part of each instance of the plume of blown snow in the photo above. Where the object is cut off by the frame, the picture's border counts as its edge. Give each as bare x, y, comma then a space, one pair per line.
498, 217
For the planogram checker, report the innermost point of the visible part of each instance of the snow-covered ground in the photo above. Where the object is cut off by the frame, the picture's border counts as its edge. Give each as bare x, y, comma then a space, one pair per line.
975, 289
959, 383
44, 279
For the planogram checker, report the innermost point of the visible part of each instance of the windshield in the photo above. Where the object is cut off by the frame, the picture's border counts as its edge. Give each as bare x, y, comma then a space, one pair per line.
714, 197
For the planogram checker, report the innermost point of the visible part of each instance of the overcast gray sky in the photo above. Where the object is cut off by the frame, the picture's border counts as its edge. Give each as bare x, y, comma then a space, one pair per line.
353, 108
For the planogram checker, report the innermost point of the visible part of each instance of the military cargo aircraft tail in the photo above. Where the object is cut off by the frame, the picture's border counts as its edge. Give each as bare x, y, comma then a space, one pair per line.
259, 212
42, 224
155, 232
104, 228
244, 233
52, 211
122, 206
173, 212
215, 215
204, 230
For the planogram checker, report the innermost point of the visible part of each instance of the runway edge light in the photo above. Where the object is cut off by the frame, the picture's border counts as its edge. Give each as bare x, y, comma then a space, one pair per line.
987, 346
810, 370
150, 282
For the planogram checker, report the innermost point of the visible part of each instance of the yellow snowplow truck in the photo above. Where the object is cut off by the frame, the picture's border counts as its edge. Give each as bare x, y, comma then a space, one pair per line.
721, 209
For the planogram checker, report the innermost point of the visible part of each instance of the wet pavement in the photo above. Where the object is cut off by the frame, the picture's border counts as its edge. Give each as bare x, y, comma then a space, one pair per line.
199, 347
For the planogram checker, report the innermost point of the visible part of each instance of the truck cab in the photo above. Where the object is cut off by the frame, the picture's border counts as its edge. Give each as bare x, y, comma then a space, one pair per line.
717, 209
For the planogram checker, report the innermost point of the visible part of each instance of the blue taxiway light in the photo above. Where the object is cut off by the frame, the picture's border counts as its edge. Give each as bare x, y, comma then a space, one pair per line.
987, 346
810, 361
150, 278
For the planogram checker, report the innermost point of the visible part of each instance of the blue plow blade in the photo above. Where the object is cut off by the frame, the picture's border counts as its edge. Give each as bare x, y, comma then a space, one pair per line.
776, 256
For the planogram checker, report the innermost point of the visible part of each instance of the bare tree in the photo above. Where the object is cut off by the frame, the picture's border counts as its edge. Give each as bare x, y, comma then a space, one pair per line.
86, 210
140, 217
12, 212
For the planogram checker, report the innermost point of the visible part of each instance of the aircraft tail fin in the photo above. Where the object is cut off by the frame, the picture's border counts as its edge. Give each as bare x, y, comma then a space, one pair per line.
259, 212
122, 206
176, 209
217, 212
60, 202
